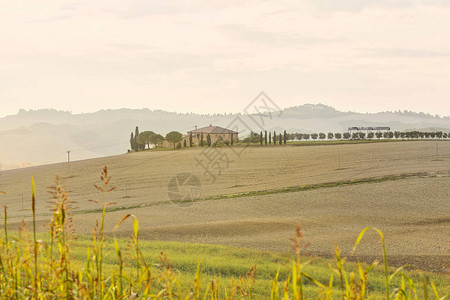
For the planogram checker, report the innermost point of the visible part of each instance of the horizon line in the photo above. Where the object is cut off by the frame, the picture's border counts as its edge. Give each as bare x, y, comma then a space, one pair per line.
214, 113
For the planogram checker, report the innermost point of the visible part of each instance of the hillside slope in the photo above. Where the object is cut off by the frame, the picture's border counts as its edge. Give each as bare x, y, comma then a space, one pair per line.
248, 206
44, 136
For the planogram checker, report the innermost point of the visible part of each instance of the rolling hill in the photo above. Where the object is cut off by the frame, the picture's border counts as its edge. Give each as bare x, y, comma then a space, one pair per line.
39, 137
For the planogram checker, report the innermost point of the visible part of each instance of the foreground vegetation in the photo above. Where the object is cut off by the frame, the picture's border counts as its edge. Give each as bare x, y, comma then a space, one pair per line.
60, 265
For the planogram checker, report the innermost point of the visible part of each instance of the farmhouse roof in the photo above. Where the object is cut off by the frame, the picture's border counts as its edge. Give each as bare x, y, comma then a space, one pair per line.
213, 129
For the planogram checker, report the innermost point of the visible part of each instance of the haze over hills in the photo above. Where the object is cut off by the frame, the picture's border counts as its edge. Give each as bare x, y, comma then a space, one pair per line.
38, 137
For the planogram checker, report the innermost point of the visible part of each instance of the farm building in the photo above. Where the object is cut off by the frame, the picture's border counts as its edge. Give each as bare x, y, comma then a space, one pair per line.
215, 132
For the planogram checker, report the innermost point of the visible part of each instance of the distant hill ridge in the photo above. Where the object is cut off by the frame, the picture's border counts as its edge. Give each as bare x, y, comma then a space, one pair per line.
308, 108
33, 137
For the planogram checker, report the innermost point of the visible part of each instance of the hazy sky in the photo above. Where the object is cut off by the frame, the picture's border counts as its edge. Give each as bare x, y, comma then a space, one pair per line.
216, 56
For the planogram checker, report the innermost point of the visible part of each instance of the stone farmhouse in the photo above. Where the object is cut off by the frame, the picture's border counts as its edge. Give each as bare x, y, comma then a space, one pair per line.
215, 132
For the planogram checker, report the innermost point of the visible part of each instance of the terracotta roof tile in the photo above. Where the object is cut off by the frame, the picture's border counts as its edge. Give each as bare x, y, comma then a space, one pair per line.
213, 129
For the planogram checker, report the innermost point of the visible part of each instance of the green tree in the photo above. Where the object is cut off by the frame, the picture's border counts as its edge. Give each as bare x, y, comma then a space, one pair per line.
362, 135
156, 139
201, 139
136, 134
220, 142
252, 138
184, 143
322, 136
330, 135
280, 139
370, 135
208, 140
174, 137
270, 137
338, 135
141, 142
314, 136
265, 137
232, 139
190, 139
274, 138
346, 135
144, 138
284, 137
132, 144
379, 135
260, 139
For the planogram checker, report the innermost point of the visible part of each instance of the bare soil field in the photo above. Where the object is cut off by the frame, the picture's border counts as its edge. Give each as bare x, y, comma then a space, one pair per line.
413, 213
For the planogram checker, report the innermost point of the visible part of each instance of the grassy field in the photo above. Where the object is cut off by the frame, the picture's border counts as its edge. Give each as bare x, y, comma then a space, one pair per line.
171, 270
332, 191
231, 263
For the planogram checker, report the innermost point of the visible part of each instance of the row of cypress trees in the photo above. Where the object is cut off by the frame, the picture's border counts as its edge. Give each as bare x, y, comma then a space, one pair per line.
267, 138
208, 140
133, 141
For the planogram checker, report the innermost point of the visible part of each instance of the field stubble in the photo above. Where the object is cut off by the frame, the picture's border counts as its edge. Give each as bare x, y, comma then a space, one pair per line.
413, 213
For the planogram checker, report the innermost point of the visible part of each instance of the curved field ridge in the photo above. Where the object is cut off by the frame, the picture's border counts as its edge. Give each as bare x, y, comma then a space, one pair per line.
332, 191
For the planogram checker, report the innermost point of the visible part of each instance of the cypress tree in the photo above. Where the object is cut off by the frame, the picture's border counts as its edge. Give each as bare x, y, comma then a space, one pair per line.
190, 139
260, 138
265, 137
201, 139
136, 133
284, 137
274, 138
280, 139
232, 139
208, 140
184, 143
132, 141
270, 137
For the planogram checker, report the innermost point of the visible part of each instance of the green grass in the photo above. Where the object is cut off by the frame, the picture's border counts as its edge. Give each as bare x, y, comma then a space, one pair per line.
58, 264
229, 262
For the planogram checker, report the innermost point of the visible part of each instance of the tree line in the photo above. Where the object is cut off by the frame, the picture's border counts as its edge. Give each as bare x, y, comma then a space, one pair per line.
142, 140
359, 135
266, 137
